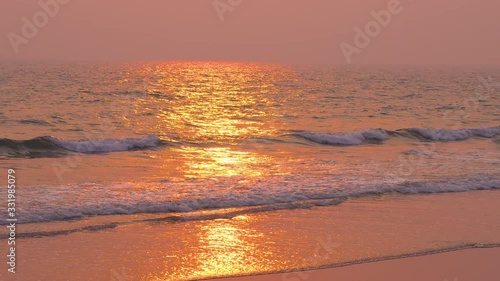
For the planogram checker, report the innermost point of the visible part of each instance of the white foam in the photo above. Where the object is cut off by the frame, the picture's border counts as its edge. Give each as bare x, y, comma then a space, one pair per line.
355, 138
49, 203
106, 145
455, 135
420, 152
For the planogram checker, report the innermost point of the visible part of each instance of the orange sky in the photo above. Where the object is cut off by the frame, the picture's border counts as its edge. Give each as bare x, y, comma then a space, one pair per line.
287, 31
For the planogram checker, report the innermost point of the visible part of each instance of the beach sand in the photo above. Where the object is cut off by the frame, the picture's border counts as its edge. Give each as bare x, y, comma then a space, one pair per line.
472, 264
358, 230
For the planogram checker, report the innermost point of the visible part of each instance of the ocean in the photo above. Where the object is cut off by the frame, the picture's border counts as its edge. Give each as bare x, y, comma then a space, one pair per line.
98, 145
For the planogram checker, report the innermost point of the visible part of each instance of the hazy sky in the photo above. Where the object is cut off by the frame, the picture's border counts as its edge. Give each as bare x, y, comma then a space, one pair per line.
288, 31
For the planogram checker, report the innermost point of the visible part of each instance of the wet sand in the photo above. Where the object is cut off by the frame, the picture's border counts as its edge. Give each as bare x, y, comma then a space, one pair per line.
472, 264
358, 230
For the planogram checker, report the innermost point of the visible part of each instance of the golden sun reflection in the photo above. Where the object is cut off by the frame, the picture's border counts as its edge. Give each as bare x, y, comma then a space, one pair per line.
210, 109
218, 248
220, 162
229, 247
213, 102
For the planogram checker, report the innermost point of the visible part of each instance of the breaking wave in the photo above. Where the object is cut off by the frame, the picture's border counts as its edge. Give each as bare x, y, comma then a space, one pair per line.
380, 135
122, 200
53, 147
355, 138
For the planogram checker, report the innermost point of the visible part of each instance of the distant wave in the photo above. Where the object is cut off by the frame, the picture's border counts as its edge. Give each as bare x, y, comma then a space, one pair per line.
35, 122
34, 148
380, 135
48, 146
106, 145
452, 135
355, 138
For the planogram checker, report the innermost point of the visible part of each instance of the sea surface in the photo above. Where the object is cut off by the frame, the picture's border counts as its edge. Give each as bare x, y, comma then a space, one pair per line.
109, 144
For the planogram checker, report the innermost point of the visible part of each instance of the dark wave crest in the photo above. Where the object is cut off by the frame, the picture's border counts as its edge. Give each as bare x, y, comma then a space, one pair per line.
47, 146
380, 135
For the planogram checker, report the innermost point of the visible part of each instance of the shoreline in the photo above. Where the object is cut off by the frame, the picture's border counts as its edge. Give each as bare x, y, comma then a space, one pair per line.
360, 232
390, 268
103, 222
